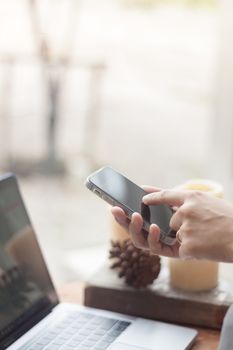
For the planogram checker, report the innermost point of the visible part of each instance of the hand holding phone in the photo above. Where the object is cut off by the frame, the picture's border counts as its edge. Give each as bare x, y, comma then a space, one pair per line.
117, 190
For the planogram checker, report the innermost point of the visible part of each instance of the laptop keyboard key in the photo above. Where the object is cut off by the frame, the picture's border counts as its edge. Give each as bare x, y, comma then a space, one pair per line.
108, 324
100, 332
52, 347
84, 332
89, 343
44, 341
102, 345
78, 338
58, 342
109, 338
95, 337
36, 347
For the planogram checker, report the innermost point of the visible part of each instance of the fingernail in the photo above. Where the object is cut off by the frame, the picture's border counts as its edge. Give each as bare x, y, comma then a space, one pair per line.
145, 199
153, 226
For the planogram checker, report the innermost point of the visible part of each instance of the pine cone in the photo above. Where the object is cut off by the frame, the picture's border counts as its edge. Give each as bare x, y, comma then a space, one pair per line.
138, 267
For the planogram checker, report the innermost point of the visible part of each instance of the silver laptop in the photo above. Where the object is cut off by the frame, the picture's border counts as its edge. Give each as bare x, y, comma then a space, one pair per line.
31, 317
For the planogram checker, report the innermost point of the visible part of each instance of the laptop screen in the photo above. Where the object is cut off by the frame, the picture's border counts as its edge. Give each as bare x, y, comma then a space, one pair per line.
25, 285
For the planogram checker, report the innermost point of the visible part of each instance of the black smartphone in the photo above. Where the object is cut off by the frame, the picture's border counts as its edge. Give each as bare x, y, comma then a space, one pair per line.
118, 190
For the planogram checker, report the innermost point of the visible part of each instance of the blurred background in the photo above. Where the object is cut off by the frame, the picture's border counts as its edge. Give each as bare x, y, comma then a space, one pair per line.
145, 86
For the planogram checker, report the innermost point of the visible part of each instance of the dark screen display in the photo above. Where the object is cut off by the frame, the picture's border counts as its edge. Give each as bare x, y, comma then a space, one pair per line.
25, 284
130, 195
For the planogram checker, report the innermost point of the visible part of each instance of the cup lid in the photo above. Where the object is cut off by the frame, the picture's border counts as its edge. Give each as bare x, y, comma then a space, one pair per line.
204, 185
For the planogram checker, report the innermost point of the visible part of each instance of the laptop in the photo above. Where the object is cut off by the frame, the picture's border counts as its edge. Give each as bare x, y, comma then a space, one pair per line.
31, 316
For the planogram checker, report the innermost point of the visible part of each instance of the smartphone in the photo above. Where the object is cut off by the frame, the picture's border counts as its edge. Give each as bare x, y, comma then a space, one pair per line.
118, 190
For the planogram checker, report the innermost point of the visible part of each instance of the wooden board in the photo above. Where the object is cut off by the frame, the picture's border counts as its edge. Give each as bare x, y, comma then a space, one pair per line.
160, 301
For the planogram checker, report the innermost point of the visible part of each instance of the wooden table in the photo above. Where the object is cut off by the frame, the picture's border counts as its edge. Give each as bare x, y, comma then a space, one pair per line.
208, 339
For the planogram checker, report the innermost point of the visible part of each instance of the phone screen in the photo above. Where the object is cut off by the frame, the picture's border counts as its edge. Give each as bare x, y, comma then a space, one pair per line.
130, 195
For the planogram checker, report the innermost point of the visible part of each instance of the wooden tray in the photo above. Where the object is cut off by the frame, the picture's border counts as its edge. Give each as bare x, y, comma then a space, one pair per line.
160, 301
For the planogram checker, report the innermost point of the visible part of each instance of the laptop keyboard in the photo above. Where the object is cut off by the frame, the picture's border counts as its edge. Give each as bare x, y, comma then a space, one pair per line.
78, 331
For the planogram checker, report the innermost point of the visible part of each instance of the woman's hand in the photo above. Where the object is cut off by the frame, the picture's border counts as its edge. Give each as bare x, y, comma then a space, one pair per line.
204, 223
